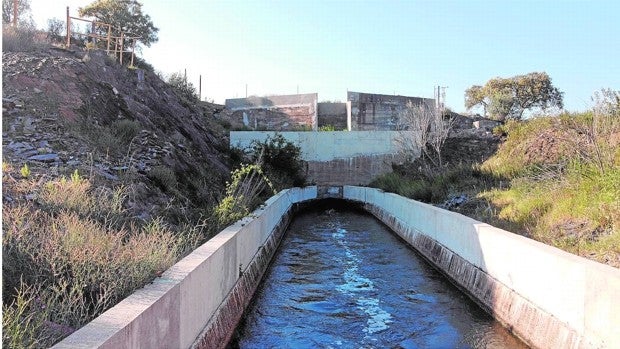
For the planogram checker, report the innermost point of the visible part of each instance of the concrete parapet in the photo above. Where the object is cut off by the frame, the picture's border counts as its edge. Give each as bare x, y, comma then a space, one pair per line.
199, 300
547, 297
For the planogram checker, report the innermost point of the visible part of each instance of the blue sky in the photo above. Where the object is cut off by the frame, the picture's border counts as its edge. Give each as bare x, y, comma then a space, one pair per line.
402, 47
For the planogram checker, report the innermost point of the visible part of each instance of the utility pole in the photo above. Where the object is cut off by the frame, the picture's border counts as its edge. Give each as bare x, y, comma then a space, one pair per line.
443, 98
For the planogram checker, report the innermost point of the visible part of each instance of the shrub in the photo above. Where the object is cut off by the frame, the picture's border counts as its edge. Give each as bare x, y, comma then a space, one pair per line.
184, 89
21, 39
56, 30
281, 160
248, 186
126, 130
164, 177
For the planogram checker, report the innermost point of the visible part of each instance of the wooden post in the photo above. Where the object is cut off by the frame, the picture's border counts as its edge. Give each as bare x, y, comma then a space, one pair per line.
92, 33
122, 47
133, 48
68, 29
109, 37
15, 13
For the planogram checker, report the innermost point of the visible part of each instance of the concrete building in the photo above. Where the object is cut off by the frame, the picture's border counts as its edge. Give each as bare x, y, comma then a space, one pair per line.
371, 111
277, 113
361, 112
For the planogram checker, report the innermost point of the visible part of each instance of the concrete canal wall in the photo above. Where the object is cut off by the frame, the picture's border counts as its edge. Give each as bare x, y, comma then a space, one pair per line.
547, 297
198, 301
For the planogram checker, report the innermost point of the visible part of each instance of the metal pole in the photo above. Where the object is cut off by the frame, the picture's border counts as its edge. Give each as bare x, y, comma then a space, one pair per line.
68, 28
200, 87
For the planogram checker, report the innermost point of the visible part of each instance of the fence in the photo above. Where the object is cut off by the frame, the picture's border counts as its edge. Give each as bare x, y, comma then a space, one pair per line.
113, 44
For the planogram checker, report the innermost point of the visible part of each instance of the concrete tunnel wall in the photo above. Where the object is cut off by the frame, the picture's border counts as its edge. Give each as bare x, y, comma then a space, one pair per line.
547, 297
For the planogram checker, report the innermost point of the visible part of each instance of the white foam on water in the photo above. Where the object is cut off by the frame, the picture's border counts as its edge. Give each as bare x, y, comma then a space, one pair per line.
355, 283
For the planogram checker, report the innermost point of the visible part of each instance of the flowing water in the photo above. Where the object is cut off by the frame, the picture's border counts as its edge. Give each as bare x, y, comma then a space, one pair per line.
342, 279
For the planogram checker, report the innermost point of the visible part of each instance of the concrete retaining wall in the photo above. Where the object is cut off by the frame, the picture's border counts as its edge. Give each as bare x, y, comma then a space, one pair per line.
339, 158
326, 146
547, 297
199, 300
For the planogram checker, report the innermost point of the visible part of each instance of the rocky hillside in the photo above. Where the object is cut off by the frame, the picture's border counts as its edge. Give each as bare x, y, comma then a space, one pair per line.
66, 110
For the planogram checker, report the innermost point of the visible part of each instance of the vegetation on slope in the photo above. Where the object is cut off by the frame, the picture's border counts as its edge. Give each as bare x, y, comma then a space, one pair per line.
554, 179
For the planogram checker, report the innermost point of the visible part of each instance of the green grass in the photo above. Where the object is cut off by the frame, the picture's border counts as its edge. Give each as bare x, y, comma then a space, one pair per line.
555, 179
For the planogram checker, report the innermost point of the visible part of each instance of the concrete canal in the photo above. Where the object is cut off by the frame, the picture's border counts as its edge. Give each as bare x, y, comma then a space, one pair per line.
342, 279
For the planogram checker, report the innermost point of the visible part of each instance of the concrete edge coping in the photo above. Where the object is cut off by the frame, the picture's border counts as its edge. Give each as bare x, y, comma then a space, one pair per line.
485, 228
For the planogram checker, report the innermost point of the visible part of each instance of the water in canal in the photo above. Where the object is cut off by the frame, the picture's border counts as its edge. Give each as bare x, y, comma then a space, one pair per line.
342, 279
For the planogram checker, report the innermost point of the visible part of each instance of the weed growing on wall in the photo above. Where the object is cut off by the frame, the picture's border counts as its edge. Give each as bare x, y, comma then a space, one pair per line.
248, 187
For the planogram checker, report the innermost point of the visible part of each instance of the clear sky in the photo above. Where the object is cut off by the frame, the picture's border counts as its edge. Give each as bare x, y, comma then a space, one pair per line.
401, 47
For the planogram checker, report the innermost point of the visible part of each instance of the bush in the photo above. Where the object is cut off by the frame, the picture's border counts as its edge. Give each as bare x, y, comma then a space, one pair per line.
56, 30
164, 177
281, 160
184, 89
247, 188
126, 130
21, 39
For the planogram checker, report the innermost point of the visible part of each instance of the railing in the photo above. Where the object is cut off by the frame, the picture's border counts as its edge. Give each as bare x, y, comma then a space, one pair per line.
113, 44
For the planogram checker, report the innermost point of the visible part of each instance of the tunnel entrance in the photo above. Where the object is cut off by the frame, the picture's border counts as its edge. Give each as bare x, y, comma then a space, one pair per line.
342, 279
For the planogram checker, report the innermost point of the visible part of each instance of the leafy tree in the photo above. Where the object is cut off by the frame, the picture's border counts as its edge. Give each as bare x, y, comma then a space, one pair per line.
510, 97
23, 8
125, 16
475, 96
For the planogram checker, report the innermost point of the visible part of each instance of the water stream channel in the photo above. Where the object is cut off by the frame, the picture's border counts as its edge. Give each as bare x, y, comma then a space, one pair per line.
342, 279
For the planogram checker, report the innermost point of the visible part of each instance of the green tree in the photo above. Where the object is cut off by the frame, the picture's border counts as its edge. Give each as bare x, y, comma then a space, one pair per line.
125, 16
509, 98
23, 9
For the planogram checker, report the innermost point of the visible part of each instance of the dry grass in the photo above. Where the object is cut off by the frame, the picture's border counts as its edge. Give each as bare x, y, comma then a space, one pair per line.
70, 252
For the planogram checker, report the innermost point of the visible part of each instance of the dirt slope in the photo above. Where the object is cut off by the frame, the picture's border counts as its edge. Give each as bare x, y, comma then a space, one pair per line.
64, 110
